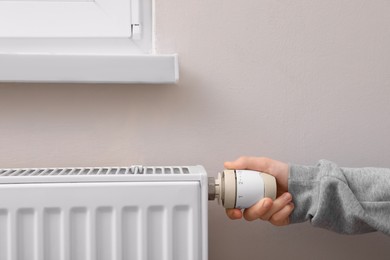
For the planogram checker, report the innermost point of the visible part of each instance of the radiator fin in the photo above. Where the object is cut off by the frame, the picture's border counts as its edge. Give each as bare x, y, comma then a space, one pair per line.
155, 233
52, 233
4, 233
78, 233
131, 235
26, 234
182, 231
105, 233
94, 171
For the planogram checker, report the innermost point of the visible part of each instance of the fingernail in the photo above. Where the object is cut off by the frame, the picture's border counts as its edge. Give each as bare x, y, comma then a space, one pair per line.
267, 204
287, 196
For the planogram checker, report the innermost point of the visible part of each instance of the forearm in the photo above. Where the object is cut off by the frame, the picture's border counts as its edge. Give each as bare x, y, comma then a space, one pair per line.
344, 200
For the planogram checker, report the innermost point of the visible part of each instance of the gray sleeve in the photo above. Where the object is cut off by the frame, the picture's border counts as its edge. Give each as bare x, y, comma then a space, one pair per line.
345, 200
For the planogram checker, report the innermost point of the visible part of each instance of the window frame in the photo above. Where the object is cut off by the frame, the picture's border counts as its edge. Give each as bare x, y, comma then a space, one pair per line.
125, 55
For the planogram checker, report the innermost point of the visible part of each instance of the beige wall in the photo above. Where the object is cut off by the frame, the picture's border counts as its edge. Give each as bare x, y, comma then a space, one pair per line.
294, 80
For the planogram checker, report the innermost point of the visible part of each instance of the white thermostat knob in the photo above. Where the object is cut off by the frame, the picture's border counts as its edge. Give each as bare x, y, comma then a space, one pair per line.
243, 188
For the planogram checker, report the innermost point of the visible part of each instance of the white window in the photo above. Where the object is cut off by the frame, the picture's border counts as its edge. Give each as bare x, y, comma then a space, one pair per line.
81, 41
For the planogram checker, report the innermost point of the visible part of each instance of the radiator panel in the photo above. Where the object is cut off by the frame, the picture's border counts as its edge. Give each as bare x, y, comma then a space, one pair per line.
131, 233
101, 220
4, 234
52, 233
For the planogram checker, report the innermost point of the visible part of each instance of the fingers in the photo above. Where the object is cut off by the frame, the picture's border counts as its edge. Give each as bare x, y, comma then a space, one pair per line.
258, 210
281, 218
234, 214
266, 208
253, 163
277, 212
278, 204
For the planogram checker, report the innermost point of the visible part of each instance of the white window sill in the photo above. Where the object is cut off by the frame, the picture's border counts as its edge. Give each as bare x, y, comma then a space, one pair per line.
83, 61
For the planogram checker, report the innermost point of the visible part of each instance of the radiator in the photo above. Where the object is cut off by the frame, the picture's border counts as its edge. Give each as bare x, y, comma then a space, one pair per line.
103, 213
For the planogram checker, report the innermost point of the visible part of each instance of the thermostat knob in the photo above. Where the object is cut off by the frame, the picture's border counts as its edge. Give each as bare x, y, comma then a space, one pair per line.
243, 188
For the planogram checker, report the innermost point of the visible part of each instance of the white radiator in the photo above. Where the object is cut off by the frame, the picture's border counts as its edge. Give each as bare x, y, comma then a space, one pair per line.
103, 213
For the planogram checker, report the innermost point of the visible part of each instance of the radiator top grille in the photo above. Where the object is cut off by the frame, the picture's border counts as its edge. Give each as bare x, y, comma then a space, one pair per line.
132, 170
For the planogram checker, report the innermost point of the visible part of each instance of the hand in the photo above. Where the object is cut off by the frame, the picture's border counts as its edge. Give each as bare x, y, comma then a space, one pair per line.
276, 212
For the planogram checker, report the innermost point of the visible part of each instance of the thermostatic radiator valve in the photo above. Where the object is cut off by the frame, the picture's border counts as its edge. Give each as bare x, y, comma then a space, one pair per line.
241, 188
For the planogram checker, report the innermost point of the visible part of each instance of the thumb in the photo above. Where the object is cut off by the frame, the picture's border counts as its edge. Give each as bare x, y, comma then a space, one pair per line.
237, 165
228, 165
251, 163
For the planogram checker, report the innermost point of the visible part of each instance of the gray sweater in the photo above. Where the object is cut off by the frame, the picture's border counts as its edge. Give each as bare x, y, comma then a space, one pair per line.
345, 200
